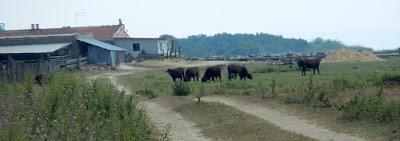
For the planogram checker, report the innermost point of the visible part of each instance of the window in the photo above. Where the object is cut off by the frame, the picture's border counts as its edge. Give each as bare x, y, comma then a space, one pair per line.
136, 47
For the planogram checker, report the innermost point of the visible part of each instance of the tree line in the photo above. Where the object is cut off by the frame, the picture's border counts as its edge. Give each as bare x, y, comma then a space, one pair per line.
261, 43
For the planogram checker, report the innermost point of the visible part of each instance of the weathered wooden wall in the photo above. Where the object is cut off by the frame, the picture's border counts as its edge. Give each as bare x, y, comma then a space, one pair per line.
16, 70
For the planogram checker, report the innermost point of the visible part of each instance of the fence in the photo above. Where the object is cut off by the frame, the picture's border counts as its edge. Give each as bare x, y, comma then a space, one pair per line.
16, 70
143, 57
388, 53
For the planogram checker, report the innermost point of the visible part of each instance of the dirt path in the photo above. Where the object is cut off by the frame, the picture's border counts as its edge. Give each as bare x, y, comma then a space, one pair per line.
284, 121
180, 129
112, 76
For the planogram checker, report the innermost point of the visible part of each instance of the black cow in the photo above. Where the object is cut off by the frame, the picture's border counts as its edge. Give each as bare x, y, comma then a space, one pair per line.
192, 72
234, 69
212, 73
176, 73
308, 63
41, 78
243, 74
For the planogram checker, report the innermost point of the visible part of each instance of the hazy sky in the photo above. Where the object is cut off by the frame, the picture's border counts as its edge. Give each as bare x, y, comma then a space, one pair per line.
373, 23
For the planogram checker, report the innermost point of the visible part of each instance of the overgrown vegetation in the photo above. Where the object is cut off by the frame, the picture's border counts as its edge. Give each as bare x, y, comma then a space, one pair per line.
68, 108
372, 108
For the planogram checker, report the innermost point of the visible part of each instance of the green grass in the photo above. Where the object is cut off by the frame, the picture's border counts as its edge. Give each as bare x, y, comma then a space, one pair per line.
68, 108
336, 86
341, 75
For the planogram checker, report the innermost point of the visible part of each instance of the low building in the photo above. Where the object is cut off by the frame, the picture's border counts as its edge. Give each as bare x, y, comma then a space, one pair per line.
38, 50
145, 46
101, 37
37, 54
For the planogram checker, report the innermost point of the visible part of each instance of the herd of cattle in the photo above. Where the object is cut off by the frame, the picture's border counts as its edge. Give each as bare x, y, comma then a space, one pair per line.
211, 73
214, 73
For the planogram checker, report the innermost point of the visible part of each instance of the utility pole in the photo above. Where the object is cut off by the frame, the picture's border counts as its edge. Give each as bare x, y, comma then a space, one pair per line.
179, 51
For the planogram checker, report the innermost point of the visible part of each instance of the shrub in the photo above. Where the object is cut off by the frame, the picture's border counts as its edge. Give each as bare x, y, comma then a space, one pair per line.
181, 89
311, 94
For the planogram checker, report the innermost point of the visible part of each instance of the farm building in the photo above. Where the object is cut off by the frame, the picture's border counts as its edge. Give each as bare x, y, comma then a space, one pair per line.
46, 50
37, 54
145, 46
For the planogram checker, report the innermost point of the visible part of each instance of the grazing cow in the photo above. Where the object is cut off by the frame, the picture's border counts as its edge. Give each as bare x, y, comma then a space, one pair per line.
176, 73
212, 73
41, 79
308, 63
243, 74
192, 72
234, 69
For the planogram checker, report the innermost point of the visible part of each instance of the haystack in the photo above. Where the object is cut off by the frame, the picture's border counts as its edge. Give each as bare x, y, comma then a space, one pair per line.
346, 55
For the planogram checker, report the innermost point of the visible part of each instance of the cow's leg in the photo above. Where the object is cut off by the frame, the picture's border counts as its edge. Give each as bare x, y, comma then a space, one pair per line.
314, 70
229, 75
235, 75
318, 70
303, 71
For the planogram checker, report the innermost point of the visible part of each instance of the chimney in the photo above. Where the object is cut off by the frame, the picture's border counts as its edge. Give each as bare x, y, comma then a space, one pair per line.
120, 21
32, 26
37, 26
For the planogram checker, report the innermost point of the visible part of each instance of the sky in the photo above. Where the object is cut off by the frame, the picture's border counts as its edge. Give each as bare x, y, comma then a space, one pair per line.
371, 23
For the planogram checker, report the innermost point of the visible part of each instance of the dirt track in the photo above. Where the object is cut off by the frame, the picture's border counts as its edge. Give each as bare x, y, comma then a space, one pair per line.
284, 121
180, 130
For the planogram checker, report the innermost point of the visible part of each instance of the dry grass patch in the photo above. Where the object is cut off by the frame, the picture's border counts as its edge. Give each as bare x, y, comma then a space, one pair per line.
222, 122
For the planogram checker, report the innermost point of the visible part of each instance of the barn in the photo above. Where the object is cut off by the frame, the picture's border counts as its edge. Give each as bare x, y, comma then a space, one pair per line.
46, 50
38, 54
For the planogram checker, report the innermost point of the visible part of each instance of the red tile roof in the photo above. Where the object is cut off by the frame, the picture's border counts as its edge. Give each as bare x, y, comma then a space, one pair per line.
99, 32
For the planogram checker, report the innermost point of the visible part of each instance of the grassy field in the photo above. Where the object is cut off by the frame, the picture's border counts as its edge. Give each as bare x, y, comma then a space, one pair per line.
68, 108
351, 92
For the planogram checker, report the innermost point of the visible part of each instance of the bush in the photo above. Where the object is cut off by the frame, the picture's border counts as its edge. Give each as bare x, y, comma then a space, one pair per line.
371, 108
312, 94
181, 89
69, 109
